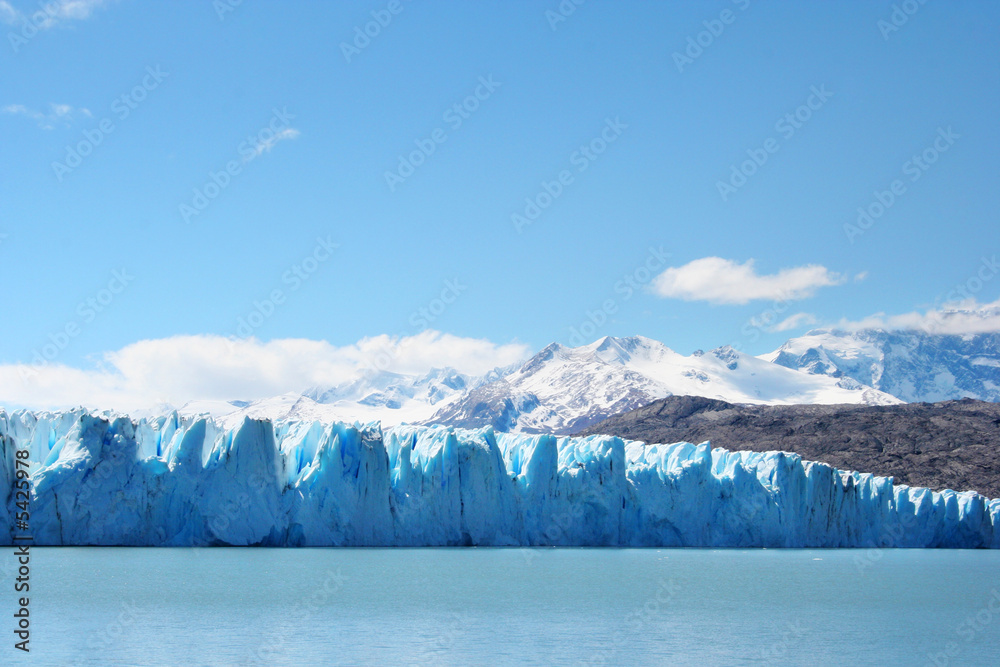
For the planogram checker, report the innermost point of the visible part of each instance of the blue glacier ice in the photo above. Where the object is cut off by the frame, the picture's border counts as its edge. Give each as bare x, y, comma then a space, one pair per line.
101, 479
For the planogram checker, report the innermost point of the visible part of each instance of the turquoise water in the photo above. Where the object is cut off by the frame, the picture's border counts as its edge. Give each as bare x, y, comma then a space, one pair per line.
116, 606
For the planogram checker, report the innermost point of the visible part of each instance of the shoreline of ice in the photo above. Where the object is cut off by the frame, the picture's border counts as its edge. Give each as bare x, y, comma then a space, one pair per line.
182, 481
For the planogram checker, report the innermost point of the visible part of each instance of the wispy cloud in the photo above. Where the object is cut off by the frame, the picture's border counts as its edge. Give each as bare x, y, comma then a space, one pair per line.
184, 368
59, 114
79, 9
8, 14
793, 322
266, 145
723, 281
967, 317
51, 13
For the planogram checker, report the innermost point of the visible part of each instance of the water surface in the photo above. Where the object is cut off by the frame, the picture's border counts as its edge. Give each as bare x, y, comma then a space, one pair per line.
118, 606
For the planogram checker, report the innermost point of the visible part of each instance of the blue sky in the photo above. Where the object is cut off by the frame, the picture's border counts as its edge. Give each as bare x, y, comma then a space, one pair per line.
309, 129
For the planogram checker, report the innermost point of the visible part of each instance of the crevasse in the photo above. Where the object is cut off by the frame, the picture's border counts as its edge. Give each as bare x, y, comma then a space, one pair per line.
174, 481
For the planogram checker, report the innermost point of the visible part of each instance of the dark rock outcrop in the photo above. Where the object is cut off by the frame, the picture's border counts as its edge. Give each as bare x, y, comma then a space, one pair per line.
952, 444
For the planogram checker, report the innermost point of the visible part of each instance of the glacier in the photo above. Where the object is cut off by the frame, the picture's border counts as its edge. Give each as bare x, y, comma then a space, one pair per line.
173, 480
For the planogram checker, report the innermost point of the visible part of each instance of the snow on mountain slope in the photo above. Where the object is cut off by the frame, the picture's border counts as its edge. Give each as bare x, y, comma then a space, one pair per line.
911, 365
562, 390
391, 398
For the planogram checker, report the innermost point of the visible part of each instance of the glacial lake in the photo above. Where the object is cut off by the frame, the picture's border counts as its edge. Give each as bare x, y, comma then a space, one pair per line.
123, 606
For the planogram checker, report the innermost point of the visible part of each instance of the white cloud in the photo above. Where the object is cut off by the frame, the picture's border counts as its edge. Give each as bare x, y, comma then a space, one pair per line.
967, 317
723, 281
78, 9
183, 368
793, 322
58, 114
50, 13
8, 14
266, 145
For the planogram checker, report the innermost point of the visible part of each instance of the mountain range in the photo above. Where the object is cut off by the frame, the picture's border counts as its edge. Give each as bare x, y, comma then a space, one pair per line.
564, 389
911, 365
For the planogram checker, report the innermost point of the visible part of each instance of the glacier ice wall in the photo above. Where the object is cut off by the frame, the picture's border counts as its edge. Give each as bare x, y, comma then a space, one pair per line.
173, 481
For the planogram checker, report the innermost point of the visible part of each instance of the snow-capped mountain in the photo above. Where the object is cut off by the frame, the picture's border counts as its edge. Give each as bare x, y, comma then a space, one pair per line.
911, 365
562, 390
394, 391
392, 398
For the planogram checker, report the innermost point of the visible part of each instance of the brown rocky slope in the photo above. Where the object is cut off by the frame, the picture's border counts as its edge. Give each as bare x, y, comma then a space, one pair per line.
947, 445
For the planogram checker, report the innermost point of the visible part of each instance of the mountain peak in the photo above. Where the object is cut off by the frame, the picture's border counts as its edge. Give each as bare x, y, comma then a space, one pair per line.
913, 365
561, 390
611, 349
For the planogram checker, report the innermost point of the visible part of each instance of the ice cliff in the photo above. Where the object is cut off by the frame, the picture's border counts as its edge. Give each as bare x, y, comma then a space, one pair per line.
104, 480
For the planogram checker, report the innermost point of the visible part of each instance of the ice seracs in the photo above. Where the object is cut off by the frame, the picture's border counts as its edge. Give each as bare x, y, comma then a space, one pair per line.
181, 481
